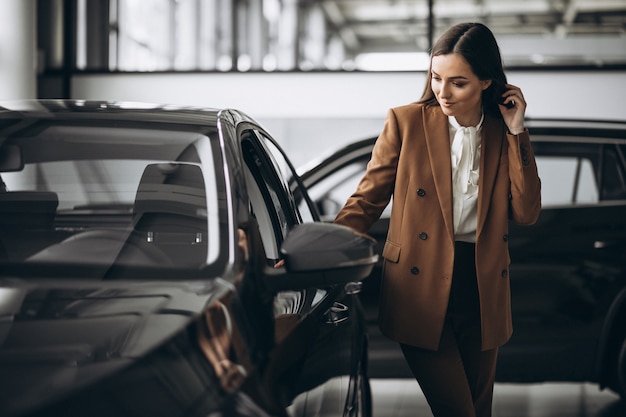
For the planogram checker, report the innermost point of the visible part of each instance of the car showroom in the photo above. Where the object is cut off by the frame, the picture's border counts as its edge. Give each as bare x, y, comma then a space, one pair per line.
216, 208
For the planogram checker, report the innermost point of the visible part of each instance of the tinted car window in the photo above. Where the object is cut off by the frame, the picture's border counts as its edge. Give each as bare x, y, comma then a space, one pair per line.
272, 204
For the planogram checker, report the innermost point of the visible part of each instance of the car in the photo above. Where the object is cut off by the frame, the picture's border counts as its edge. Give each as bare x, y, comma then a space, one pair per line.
568, 271
154, 262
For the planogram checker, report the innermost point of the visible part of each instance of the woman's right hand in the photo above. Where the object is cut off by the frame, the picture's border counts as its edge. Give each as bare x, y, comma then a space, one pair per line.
513, 116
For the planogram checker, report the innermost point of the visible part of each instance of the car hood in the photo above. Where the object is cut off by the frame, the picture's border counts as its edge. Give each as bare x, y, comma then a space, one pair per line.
58, 337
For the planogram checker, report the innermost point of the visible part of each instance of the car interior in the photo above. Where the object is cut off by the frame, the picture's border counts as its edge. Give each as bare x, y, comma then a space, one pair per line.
177, 226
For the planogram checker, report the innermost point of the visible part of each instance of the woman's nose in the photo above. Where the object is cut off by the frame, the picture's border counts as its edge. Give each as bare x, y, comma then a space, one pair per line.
444, 91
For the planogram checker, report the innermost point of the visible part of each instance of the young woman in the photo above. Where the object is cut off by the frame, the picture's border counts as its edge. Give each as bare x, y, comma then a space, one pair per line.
458, 165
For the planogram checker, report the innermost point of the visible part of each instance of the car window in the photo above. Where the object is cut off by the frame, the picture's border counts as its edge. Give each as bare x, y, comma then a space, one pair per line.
575, 173
111, 202
613, 175
283, 167
271, 203
331, 193
263, 216
566, 180
79, 184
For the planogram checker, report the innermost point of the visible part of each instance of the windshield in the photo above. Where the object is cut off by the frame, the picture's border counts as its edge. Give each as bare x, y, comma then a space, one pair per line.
111, 202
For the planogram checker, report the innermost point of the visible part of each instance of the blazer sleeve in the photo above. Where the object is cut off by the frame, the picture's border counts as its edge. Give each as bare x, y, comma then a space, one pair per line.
525, 197
364, 207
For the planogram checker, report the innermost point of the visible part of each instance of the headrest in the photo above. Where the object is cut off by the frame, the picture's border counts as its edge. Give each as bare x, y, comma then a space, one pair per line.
171, 188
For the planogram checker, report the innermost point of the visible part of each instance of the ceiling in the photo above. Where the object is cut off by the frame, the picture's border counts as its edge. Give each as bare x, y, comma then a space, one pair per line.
403, 25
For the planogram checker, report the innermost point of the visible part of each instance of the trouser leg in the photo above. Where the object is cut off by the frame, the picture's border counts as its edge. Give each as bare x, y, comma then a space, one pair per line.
441, 377
456, 382
457, 379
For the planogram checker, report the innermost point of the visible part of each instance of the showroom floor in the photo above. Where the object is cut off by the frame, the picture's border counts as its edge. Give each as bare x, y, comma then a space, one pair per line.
403, 398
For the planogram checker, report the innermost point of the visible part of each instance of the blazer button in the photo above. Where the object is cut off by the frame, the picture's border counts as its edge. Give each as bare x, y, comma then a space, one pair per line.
524, 155
505, 238
415, 270
504, 273
423, 236
421, 192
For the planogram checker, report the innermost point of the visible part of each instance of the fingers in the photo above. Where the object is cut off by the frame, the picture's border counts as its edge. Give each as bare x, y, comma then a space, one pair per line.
513, 107
512, 97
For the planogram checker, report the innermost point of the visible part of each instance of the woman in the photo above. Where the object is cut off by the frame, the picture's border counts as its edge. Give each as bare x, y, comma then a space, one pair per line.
459, 165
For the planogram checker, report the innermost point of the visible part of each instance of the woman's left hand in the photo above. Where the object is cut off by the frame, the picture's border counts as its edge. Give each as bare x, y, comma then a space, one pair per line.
514, 115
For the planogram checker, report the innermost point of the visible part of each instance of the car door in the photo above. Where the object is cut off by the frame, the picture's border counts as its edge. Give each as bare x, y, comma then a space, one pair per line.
567, 268
317, 329
330, 182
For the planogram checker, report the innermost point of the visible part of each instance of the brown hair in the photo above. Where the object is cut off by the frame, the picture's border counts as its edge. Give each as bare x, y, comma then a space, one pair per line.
474, 42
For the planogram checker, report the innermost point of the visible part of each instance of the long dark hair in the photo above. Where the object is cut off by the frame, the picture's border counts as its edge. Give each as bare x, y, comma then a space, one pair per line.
474, 42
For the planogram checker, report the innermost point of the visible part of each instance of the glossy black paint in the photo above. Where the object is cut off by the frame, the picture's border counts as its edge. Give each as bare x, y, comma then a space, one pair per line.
101, 315
568, 271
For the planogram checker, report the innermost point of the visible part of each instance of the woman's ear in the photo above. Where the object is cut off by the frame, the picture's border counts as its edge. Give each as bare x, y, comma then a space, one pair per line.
485, 84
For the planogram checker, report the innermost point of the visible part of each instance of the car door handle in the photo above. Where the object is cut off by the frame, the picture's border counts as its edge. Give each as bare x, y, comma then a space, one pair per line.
338, 313
352, 288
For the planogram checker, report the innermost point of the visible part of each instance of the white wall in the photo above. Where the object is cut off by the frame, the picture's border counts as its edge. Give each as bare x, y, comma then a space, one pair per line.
17, 49
312, 112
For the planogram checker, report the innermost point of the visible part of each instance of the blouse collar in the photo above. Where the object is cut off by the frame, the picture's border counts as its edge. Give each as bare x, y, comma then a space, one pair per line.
457, 126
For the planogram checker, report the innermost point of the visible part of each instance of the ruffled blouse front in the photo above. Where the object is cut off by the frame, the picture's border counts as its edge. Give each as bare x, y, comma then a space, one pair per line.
466, 148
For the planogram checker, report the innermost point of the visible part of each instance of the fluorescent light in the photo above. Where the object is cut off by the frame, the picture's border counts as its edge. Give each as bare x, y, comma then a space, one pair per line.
392, 61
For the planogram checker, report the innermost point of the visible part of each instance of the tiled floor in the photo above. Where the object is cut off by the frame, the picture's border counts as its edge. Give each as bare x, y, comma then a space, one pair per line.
403, 398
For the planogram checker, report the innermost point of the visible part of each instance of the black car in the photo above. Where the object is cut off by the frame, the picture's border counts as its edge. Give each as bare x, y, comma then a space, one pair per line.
154, 262
568, 272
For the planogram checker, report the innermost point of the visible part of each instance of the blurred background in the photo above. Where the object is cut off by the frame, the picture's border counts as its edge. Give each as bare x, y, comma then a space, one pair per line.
316, 73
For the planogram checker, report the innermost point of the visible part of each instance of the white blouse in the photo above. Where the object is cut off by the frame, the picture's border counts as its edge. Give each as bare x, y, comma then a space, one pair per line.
466, 146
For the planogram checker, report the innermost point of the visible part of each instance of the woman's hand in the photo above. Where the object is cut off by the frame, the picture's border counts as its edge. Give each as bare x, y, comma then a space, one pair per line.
513, 108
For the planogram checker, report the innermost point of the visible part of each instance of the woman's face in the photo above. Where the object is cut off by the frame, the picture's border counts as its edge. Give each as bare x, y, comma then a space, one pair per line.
457, 89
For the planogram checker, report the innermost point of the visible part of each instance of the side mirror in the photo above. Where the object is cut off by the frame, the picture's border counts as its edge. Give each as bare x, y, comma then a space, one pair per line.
319, 255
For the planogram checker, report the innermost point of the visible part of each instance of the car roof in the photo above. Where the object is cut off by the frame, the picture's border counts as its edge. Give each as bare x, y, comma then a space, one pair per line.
571, 128
119, 110
541, 129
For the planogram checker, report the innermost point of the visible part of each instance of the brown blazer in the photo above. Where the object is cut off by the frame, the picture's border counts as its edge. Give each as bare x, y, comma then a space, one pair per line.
411, 162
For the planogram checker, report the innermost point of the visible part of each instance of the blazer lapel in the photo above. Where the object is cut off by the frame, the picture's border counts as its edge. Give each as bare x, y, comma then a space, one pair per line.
437, 135
492, 142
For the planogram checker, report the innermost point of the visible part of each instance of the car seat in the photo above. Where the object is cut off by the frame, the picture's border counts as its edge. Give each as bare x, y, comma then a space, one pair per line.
170, 212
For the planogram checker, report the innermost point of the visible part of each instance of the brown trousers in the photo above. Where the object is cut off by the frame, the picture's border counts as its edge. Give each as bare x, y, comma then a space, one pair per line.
457, 380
